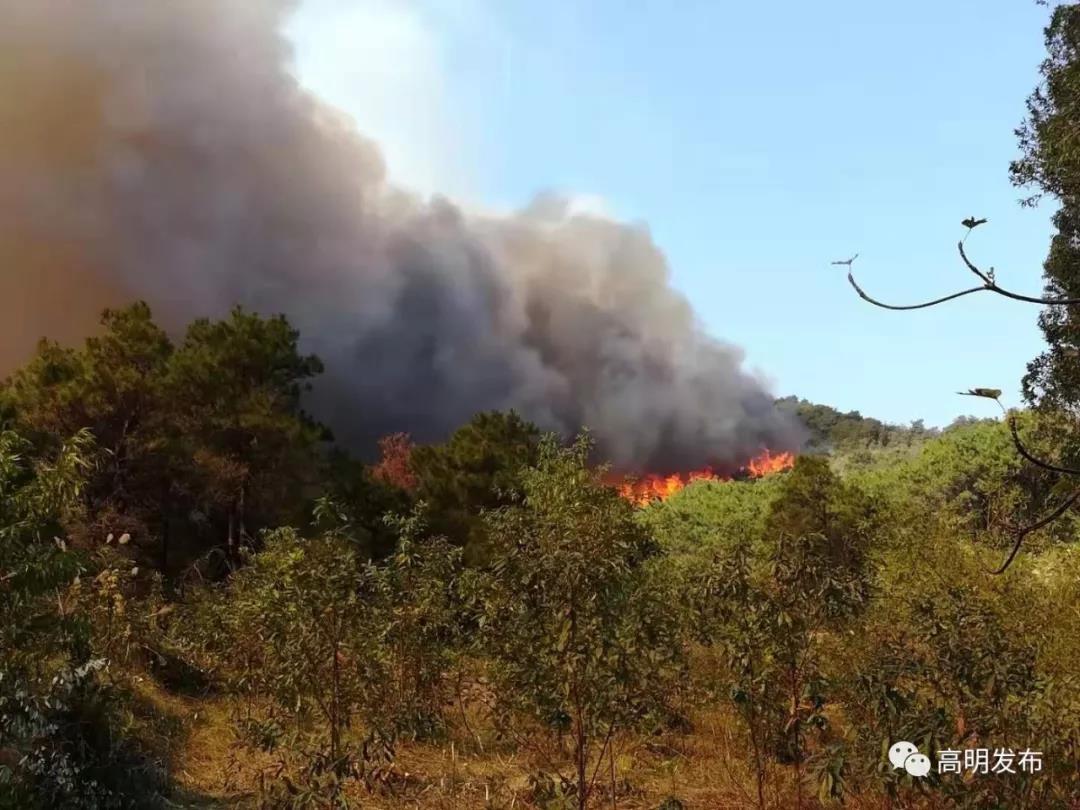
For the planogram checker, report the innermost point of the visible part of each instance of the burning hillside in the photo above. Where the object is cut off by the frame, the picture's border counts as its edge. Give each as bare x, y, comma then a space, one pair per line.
648, 488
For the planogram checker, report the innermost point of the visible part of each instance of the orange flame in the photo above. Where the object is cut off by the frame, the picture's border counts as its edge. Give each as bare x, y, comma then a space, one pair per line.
768, 463
649, 488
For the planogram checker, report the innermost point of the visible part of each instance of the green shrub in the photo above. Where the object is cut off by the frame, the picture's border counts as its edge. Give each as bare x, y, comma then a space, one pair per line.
579, 637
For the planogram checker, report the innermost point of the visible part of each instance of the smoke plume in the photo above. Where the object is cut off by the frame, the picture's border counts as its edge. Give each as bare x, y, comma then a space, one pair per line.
164, 151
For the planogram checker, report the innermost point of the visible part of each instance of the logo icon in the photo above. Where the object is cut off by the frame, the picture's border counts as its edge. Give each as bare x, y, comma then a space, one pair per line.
905, 755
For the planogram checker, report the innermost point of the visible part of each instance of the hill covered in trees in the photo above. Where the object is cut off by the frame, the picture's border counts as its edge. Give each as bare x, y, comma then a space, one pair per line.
205, 602
834, 431
831, 430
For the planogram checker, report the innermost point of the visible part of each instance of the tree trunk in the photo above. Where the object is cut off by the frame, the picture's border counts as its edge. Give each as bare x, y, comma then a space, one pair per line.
335, 720
240, 510
165, 543
795, 701
756, 745
582, 767
614, 797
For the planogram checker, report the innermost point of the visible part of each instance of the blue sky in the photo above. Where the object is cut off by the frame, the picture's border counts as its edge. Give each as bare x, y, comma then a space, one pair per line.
757, 142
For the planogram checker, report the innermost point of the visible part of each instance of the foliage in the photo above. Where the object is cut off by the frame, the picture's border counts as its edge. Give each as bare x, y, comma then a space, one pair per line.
733, 614
236, 386
110, 387
62, 741
420, 621
831, 429
822, 528
708, 514
361, 500
113, 388
578, 640
298, 613
326, 634
76, 755
824, 610
765, 607
196, 446
34, 562
477, 468
946, 660
395, 462
1050, 165
971, 482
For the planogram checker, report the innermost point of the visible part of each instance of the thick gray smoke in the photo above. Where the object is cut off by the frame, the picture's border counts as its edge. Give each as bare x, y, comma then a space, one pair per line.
164, 150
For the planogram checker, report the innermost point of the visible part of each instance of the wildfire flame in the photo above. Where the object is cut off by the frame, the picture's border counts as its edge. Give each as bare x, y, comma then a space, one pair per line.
661, 487
768, 463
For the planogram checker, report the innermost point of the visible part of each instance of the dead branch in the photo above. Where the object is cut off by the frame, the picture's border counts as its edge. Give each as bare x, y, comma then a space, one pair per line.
1010, 419
924, 305
1057, 512
989, 284
1054, 514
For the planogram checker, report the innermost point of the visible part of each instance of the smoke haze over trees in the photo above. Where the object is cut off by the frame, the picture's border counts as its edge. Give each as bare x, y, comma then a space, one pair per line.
165, 152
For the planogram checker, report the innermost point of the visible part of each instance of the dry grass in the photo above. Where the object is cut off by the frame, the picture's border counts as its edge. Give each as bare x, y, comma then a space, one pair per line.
705, 768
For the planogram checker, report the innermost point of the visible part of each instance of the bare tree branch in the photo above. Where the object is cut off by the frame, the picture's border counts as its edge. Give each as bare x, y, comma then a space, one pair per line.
986, 278
989, 284
1023, 451
1058, 511
935, 302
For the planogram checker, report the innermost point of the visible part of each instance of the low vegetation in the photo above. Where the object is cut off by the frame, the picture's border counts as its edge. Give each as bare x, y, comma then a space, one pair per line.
203, 602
